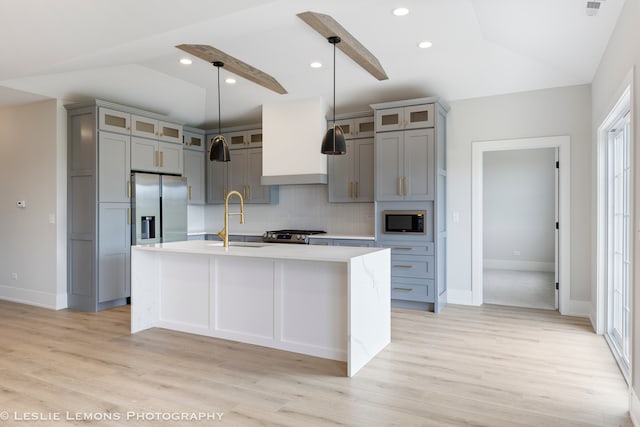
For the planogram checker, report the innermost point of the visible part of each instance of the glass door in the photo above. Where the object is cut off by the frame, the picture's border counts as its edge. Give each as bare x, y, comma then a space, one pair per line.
619, 236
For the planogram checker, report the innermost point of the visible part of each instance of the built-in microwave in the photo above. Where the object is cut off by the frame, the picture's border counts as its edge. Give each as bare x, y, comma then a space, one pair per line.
404, 222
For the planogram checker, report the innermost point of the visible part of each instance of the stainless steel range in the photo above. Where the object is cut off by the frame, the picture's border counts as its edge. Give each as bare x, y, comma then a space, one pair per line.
290, 236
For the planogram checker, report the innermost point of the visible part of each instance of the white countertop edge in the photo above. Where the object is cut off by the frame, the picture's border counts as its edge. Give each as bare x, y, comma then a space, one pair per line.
281, 251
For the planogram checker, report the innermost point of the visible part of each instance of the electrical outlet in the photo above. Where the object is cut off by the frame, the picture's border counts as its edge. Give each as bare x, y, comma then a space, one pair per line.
14, 276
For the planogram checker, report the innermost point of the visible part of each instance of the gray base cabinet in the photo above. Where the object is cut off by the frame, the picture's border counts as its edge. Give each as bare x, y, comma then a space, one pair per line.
410, 171
341, 242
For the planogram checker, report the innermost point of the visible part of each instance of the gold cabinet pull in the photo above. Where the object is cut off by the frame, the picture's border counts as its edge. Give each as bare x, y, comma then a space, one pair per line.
400, 185
402, 266
129, 189
402, 249
403, 289
189, 192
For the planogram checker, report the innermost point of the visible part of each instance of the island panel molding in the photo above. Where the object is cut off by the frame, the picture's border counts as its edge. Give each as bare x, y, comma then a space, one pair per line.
329, 302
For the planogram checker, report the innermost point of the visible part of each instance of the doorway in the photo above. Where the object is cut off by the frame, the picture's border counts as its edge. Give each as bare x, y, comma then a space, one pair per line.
520, 213
563, 245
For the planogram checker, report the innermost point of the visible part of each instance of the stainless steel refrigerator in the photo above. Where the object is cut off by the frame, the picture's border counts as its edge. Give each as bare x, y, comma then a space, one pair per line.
159, 206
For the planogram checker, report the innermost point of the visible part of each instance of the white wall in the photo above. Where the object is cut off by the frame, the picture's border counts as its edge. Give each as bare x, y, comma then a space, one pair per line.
621, 57
33, 168
301, 206
519, 209
551, 112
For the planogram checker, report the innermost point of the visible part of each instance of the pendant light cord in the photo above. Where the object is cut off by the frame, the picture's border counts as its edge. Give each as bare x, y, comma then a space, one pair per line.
334, 85
219, 119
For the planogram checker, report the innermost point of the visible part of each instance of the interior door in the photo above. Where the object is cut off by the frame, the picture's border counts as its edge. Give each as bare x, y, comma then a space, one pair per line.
557, 232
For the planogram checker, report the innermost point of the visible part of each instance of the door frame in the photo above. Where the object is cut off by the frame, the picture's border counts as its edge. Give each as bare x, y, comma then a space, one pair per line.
478, 148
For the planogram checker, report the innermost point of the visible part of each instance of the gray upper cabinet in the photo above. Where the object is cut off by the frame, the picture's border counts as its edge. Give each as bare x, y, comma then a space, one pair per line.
244, 139
193, 140
245, 170
194, 171
360, 127
146, 127
351, 175
114, 121
405, 165
402, 118
156, 156
114, 167
242, 173
216, 174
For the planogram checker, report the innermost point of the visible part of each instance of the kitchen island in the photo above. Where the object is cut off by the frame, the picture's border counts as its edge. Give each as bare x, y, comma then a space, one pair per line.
329, 302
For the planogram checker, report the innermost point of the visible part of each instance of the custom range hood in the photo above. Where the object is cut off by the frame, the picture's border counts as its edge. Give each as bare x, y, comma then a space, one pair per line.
292, 132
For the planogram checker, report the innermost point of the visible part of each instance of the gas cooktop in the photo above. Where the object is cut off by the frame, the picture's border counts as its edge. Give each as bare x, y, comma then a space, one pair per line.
290, 236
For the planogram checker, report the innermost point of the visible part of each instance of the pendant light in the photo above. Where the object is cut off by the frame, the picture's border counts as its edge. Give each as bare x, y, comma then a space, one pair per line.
219, 148
333, 142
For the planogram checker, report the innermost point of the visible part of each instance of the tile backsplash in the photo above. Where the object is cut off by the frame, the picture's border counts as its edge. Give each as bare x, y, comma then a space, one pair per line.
301, 206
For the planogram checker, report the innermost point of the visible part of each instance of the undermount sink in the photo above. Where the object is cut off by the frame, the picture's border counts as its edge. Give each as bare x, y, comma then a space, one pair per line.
240, 244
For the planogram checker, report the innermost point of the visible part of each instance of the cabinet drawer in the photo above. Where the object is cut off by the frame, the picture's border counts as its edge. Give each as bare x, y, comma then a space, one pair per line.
412, 266
408, 248
412, 290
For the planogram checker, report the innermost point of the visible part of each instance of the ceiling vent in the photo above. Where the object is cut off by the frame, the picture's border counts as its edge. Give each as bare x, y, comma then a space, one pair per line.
593, 7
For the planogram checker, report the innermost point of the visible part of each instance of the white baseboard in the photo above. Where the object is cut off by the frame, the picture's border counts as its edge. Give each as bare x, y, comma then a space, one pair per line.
575, 308
457, 296
503, 264
31, 297
634, 407
578, 308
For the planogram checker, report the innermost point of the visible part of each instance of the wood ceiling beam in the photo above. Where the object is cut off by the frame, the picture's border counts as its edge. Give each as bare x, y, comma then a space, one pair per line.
234, 65
328, 27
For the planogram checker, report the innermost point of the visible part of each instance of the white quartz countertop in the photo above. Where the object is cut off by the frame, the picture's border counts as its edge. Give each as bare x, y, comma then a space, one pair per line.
262, 250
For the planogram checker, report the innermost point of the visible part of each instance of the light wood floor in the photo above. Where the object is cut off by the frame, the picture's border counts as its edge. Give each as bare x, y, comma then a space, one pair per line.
467, 366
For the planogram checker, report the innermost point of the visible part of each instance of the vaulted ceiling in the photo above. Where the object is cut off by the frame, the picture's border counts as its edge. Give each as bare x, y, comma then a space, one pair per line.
124, 51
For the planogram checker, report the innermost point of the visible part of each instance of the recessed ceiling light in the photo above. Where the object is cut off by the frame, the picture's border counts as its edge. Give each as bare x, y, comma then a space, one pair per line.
230, 81
400, 11
186, 61
315, 64
425, 44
